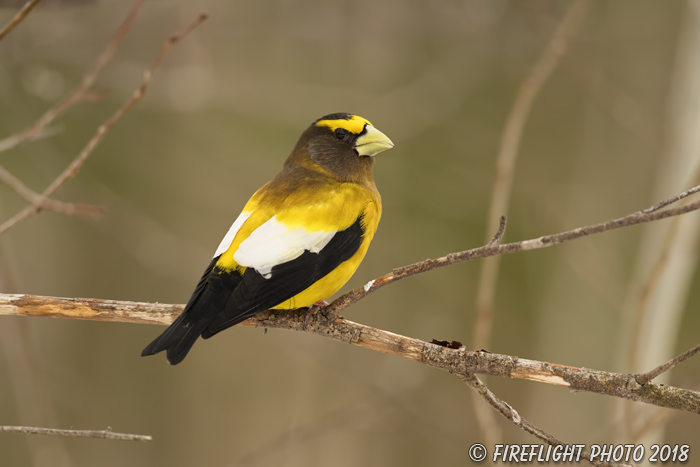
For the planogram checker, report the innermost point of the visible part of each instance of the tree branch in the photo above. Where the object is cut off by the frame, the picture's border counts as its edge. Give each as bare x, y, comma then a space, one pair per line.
18, 18
456, 361
459, 362
670, 200
47, 203
72, 170
105, 434
507, 156
635, 218
496, 239
532, 84
81, 93
650, 375
511, 414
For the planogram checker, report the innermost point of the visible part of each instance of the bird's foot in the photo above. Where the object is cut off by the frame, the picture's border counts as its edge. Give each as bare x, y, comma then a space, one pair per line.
313, 309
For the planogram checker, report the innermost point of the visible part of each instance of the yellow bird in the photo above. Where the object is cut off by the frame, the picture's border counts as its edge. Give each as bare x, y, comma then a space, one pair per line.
299, 238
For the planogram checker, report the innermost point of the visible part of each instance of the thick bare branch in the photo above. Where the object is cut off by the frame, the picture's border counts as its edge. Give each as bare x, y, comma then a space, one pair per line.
459, 362
104, 434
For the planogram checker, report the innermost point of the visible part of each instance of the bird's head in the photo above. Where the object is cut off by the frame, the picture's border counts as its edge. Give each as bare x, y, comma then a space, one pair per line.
343, 144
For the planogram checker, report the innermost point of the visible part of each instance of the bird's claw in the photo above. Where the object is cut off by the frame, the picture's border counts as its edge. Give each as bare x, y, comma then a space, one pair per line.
313, 309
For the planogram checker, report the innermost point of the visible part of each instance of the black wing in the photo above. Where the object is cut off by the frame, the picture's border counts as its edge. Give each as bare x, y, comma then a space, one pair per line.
255, 293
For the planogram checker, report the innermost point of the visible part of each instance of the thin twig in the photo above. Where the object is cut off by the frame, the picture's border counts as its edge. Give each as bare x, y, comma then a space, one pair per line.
644, 378
138, 94
499, 233
671, 200
635, 218
43, 202
105, 434
18, 18
81, 93
511, 414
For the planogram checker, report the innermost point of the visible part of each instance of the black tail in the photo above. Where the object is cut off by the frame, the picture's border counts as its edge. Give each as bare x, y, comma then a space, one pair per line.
207, 301
179, 338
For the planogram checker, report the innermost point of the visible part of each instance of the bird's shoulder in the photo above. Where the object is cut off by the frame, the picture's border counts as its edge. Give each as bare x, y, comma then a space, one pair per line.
311, 199
297, 210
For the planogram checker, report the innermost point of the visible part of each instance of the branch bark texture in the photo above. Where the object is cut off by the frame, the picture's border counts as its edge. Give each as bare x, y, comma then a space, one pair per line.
460, 362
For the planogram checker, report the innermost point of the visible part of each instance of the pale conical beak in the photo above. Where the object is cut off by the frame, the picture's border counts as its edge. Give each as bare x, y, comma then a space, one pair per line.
372, 142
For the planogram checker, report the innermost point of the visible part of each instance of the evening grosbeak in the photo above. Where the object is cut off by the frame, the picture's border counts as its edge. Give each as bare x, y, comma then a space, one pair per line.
298, 240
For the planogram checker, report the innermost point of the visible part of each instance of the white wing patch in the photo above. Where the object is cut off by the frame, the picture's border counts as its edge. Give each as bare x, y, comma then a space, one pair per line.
231, 234
274, 243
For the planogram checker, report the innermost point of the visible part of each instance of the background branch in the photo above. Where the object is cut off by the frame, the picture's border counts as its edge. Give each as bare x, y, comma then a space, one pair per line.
530, 87
18, 18
82, 92
511, 414
104, 434
72, 170
43, 202
507, 157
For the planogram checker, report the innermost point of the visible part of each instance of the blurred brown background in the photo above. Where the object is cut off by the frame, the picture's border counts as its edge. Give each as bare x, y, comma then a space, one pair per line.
611, 132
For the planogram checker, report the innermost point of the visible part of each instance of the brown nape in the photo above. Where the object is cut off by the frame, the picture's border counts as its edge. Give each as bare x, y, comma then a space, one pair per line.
318, 147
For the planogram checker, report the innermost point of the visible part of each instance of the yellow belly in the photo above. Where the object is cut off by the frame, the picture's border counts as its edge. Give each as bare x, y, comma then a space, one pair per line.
330, 284
347, 203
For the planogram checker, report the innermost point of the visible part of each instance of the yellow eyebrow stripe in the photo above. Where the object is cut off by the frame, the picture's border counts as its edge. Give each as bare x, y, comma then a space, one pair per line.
354, 125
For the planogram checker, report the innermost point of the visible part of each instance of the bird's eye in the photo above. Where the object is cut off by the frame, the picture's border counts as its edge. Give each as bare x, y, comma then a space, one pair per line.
340, 133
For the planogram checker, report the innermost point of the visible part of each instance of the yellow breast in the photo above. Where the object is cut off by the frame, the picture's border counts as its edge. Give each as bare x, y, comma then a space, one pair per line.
332, 282
334, 208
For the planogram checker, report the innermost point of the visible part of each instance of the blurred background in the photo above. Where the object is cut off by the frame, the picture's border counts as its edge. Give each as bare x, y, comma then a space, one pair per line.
613, 130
